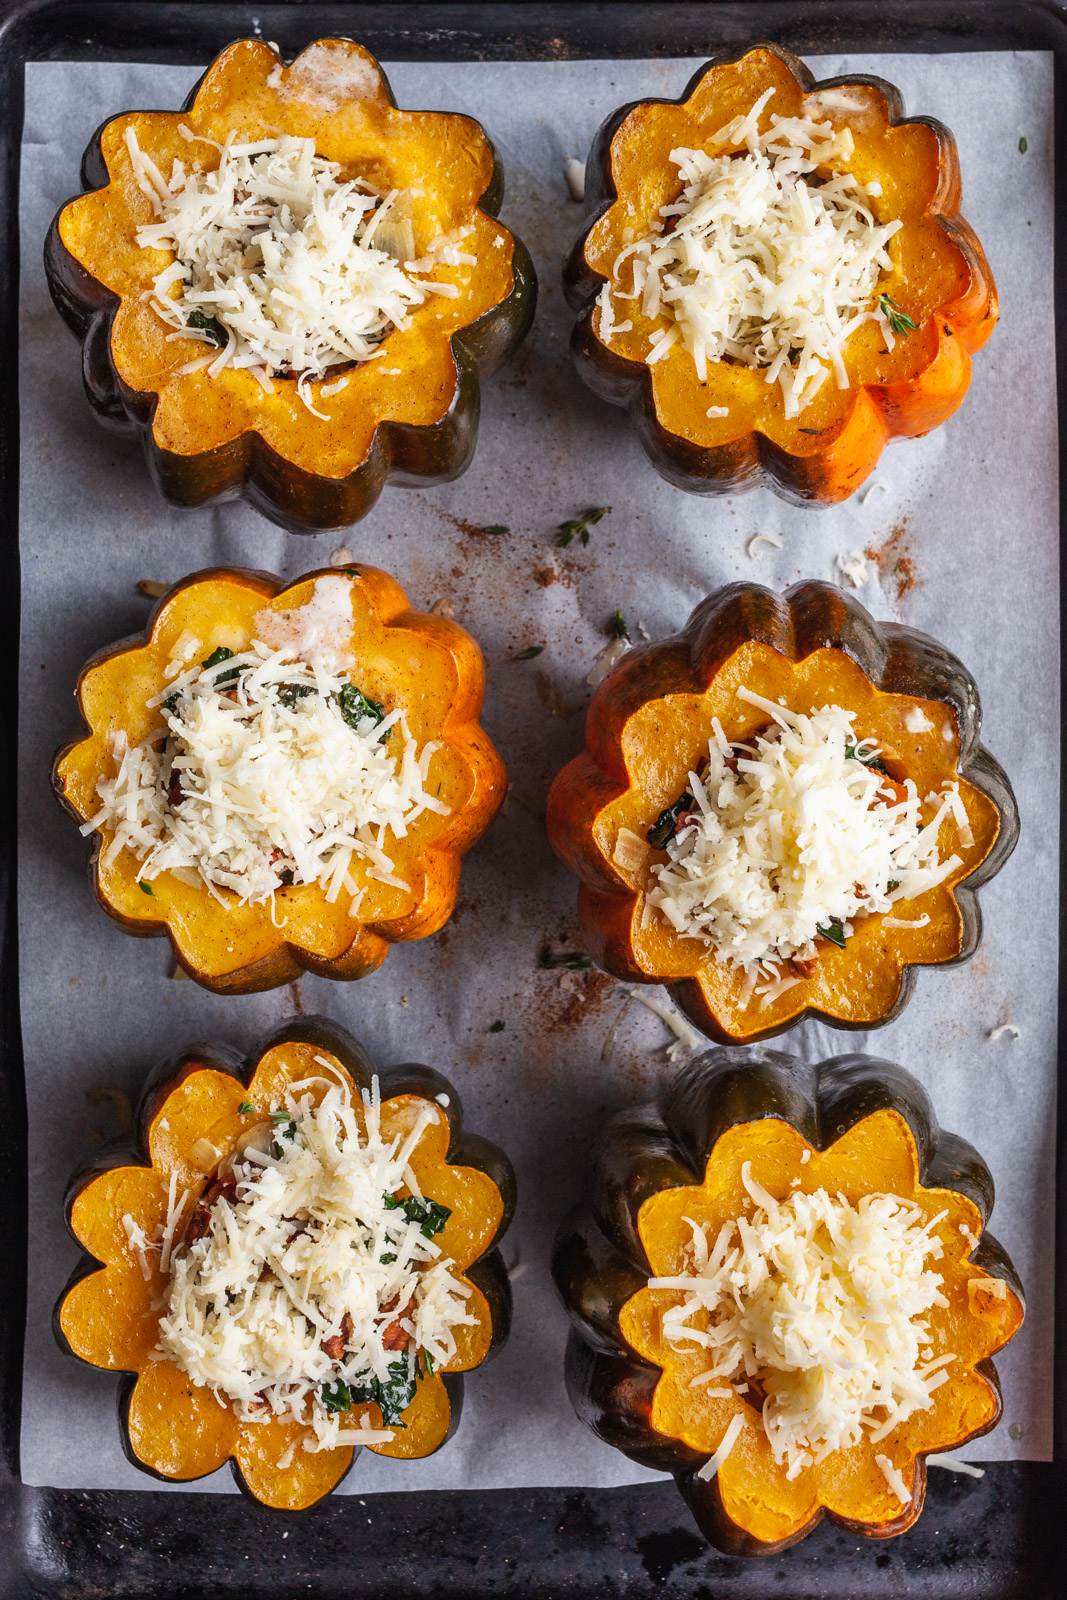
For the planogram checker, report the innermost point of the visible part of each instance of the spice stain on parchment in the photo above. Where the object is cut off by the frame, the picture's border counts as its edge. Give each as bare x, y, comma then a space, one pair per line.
896, 565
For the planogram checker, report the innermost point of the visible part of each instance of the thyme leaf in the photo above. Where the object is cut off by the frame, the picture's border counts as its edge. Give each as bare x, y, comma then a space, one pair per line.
578, 962
899, 321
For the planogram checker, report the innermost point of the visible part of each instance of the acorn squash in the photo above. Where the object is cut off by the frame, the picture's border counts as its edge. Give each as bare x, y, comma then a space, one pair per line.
411, 416
195, 1108
424, 664
853, 1126
942, 297
652, 716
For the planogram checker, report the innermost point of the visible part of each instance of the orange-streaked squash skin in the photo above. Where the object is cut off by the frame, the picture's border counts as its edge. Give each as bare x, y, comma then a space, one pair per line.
650, 719
852, 1125
173, 1429
410, 415
427, 664
940, 279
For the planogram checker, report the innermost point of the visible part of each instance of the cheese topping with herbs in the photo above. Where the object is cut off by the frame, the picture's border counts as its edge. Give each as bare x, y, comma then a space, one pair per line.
271, 770
824, 1306
280, 264
770, 259
314, 1281
795, 844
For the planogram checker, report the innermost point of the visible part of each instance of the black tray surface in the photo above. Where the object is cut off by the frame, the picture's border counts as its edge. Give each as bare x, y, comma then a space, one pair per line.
1000, 1536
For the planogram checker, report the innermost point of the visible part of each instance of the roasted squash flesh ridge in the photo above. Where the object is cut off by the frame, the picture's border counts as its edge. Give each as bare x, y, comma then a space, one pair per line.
427, 665
876, 1156
940, 281
110, 1318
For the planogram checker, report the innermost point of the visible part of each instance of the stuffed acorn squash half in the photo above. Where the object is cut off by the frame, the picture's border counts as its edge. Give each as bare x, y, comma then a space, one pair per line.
282, 778
296, 1262
776, 280
783, 810
783, 1293
291, 288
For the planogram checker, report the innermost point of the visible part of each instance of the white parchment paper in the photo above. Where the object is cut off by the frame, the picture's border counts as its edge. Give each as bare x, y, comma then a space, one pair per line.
964, 526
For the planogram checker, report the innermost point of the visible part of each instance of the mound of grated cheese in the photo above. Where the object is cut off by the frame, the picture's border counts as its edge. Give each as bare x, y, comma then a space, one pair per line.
793, 842
299, 269
770, 259
267, 788
825, 1306
304, 1249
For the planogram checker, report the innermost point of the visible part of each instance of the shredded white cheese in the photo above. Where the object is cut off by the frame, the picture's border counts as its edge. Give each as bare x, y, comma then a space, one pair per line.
686, 1037
770, 259
825, 1306
892, 1476
269, 770
854, 567
762, 538
280, 264
729, 1439
954, 1464
803, 835
605, 660
574, 173
1002, 1030
311, 1287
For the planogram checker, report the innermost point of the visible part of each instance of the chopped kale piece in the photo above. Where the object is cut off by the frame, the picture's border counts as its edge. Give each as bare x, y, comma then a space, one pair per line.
338, 1396
209, 325
290, 693
428, 1213
356, 707
665, 826
876, 764
223, 680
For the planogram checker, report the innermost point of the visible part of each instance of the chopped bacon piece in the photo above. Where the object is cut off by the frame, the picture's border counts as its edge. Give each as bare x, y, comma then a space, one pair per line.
395, 1337
805, 967
200, 1221
334, 1346
891, 793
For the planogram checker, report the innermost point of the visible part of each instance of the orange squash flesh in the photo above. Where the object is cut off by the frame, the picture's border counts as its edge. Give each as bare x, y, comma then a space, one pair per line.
177, 1430
940, 279
876, 1155
426, 664
209, 437
651, 721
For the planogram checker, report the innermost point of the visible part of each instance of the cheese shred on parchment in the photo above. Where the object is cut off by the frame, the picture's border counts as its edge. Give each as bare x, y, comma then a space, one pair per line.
309, 1252
770, 258
281, 265
259, 780
822, 1304
800, 837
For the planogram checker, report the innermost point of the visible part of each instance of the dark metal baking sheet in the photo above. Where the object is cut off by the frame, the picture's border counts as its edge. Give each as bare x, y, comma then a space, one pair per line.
1001, 1536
